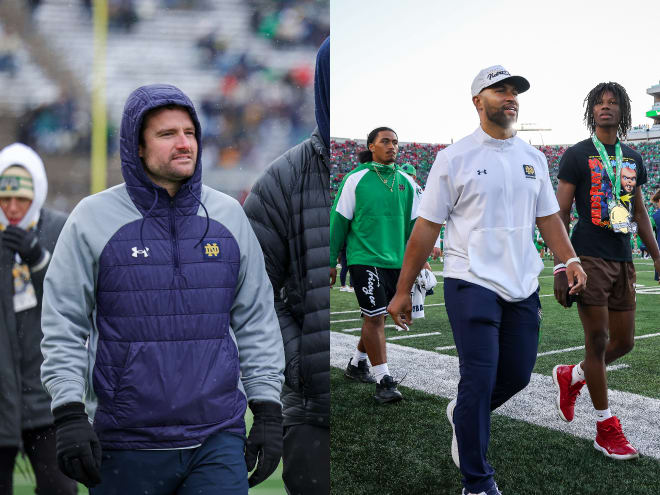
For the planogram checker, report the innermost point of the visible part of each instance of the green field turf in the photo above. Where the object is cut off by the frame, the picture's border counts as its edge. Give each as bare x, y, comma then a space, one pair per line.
405, 448
24, 478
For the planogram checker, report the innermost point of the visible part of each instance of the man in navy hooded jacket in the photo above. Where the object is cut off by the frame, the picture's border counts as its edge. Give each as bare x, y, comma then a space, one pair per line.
158, 323
289, 208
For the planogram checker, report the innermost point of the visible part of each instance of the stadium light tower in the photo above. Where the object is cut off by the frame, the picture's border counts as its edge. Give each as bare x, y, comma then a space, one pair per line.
531, 127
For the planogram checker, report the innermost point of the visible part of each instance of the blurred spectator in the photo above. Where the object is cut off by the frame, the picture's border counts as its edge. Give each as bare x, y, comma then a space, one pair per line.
122, 14
52, 128
289, 23
9, 44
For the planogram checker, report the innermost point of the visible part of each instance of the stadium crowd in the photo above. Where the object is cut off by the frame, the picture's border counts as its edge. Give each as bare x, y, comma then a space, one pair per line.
422, 155
259, 103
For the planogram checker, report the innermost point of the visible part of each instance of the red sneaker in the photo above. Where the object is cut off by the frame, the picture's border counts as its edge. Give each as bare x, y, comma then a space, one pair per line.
611, 441
562, 374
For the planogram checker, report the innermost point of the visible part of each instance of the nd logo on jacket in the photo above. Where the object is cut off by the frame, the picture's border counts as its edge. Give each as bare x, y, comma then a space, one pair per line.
211, 249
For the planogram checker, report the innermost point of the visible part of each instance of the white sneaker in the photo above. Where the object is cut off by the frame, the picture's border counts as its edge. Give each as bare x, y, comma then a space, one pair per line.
350, 289
492, 491
454, 443
343, 288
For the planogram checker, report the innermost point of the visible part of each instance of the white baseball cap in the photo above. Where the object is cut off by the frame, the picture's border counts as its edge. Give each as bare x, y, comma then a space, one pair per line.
497, 73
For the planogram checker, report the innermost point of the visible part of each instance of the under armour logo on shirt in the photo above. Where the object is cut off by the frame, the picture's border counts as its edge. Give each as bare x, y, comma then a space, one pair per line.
479, 172
144, 252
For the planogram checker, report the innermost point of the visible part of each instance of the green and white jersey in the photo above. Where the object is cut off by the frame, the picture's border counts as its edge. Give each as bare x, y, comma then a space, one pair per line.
373, 214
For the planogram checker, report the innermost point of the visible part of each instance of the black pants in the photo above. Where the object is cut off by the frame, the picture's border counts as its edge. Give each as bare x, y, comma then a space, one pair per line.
39, 446
306, 460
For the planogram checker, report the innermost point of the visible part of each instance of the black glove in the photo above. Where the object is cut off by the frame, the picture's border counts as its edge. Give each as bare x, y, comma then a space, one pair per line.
24, 243
78, 447
265, 441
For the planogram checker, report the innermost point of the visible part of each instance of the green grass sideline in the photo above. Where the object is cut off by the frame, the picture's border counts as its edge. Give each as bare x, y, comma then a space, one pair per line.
406, 447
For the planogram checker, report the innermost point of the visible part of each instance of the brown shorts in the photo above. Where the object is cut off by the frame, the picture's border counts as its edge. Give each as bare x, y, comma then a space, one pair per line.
609, 283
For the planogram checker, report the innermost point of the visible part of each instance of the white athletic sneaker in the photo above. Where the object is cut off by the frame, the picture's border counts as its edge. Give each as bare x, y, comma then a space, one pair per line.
343, 288
492, 491
454, 443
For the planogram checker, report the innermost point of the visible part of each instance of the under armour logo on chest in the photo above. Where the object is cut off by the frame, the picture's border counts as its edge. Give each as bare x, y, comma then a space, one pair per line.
479, 172
144, 252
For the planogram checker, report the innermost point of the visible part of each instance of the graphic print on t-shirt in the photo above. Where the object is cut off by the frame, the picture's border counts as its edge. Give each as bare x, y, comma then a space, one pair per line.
601, 189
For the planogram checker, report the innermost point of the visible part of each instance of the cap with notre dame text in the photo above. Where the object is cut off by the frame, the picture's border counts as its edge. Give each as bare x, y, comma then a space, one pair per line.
495, 74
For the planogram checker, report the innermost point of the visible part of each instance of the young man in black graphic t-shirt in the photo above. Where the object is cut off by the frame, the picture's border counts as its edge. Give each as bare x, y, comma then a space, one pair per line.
604, 177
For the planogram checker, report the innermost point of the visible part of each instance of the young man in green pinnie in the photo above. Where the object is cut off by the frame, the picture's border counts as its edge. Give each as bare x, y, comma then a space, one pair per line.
374, 212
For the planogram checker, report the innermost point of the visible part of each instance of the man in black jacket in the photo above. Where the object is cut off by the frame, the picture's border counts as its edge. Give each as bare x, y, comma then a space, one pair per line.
289, 209
28, 234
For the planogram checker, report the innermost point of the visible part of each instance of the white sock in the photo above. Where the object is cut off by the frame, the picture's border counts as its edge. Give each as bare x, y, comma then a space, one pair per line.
578, 374
379, 371
357, 357
603, 415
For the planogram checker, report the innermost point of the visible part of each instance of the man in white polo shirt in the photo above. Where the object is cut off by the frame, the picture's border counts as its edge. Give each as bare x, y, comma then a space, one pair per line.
491, 188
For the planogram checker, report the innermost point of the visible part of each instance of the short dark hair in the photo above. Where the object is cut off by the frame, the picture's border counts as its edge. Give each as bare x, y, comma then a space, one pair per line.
366, 155
622, 98
147, 115
656, 197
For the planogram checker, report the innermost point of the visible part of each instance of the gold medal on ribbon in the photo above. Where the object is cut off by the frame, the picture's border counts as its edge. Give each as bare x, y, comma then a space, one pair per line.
620, 219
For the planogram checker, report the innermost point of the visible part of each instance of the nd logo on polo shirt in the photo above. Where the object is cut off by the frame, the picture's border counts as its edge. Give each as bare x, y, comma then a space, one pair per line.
530, 173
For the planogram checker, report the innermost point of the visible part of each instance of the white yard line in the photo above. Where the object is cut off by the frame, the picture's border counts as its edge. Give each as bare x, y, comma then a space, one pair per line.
559, 351
359, 328
615, 367
556, 351
412, 336
569, 349
357, 311
437, 374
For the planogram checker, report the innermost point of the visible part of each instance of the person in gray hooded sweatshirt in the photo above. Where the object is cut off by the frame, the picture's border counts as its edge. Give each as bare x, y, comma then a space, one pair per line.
28, 233
159, 323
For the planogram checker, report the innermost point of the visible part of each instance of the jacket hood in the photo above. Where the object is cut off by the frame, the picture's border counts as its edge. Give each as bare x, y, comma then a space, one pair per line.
20, 154
322, 91
140, 187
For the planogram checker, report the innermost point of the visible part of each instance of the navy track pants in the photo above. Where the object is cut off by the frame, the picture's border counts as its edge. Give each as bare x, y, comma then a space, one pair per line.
497, 343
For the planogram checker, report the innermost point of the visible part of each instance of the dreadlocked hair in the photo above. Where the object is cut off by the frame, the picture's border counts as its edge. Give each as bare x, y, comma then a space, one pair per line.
595, 95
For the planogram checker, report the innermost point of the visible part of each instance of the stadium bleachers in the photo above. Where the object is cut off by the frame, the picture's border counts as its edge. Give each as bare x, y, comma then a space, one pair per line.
23, 82
345, 158
253, 87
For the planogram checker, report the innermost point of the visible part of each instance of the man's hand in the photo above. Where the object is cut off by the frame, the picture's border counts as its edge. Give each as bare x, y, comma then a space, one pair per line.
333, 276
24, 243
400, 309
561, 288
436, 253
265, 441
78, 447
577, 279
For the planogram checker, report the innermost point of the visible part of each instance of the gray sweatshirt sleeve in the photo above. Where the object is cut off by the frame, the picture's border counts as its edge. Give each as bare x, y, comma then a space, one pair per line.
66, 318
253, 318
